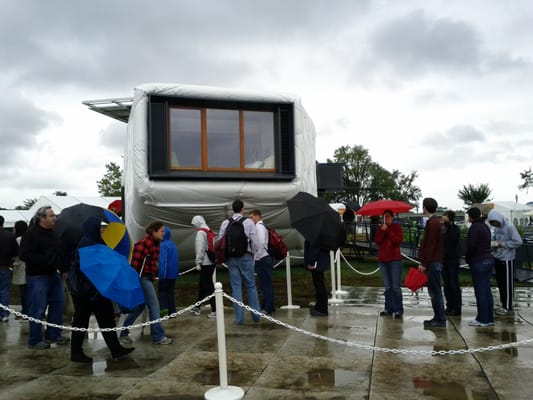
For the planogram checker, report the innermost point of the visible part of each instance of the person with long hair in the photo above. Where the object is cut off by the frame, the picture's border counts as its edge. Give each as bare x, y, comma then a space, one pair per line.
144, 260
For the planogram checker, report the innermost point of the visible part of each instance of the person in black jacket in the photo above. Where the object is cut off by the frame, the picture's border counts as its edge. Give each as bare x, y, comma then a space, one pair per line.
450, 270
8, 251
317, 261
88, 301
39, 249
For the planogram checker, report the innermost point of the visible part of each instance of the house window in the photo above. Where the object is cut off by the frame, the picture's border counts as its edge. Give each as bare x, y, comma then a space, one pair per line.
198, 139
220, 139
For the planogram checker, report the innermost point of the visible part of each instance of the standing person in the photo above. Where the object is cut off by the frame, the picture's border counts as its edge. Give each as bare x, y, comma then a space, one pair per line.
450, 271
19, 270
481, 261
505, 241
239, 259
39, 249
317, 261
88, 301
168, 273
204, 265
264, 264
144, 261
431, 254
389, 237
8, 252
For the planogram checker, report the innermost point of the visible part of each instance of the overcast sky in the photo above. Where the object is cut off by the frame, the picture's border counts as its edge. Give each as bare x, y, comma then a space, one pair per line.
444, 88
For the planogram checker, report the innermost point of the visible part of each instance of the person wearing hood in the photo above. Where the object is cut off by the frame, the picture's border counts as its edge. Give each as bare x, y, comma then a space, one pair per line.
505, 241
168, 273
88, 301
204, 265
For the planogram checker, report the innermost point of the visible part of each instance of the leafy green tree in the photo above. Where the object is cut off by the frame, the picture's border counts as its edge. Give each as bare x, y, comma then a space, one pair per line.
111, 183
527, 177
26, 205
365, 180
471, 194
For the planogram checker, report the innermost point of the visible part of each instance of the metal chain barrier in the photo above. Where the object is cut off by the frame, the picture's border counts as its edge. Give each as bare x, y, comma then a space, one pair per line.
283, 324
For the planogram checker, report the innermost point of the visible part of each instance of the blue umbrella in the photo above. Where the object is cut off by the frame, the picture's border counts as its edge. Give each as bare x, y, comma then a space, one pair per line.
112, 275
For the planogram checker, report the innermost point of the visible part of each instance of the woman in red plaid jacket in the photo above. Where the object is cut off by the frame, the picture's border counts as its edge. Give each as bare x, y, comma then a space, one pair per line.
144, 260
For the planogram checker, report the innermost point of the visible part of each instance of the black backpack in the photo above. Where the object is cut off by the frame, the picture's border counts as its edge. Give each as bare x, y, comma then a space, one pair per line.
77, 282
236, 240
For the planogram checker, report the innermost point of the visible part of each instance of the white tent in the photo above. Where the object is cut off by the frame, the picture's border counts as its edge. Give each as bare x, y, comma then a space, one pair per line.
516, 213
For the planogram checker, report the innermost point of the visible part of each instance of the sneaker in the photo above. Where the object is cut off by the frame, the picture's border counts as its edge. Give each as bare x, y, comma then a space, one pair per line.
122, 352
475, 322
433, 323
316, 313
503, 311
165, 340
5, 319
212, 314
397, 315
385, 314
125, 340
40, 346
60, 340
195, 311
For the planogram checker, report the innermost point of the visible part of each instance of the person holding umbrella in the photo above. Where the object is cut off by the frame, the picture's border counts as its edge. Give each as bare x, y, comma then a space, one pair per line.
144, 261
87, 300
389, 237
317, 261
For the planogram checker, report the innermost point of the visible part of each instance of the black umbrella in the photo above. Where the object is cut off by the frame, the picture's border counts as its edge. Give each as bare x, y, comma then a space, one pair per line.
316, 221
69, 223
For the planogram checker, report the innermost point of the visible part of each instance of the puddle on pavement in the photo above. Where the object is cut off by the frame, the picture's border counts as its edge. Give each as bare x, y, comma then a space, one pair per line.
99, 367
332, 377
450, 390
210, 376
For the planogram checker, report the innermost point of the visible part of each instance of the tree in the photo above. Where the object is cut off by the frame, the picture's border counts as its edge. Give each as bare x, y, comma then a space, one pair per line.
527, 177
27, 204
365, 180
471, 194
111, 183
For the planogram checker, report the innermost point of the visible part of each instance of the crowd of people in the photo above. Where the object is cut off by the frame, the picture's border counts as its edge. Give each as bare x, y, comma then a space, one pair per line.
35, 259
490, 246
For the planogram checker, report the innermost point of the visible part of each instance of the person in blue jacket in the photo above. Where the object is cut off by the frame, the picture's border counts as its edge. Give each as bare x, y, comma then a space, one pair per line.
168, 273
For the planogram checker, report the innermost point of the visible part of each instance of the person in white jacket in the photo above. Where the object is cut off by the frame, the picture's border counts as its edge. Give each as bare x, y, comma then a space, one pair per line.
505, 241
204, 265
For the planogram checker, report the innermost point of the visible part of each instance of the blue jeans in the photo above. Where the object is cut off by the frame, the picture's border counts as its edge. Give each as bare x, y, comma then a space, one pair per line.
43, 291
264, 268
481, 274
391, 273
434, 271
5, 279
241, 270
156, 330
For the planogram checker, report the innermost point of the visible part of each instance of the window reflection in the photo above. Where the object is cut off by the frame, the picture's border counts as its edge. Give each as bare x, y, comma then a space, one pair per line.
223, 142
258, 139
185, 138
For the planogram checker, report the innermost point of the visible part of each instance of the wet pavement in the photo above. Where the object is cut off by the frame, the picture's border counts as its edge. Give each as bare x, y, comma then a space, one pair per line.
337, 357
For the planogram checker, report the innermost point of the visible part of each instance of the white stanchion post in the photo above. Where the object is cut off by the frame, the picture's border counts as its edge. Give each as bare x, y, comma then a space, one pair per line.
289, 306
338, 262
222, 392
333, 299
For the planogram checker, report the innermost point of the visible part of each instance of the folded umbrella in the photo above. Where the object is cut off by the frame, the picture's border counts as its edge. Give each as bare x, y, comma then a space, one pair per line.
112, 275
316, 221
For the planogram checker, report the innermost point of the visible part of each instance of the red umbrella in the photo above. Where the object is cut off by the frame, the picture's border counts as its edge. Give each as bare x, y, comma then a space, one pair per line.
415, 279
380, 206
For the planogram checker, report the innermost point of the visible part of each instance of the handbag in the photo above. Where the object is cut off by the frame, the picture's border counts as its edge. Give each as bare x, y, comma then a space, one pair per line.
415, 279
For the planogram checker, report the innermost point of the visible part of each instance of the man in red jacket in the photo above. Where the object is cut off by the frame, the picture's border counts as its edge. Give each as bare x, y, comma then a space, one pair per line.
431, 256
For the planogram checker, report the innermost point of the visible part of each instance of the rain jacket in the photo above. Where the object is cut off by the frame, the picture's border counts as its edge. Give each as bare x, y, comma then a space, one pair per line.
316, 256
168, 257
389, 242
39, 249
200, 242
507, 234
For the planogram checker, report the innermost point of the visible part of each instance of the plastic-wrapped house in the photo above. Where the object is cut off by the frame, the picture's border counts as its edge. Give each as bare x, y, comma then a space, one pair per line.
193, 150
